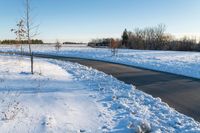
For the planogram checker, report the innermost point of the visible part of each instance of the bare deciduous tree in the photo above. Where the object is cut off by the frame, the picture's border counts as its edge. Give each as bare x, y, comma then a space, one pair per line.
31, 29
113, 45
20, 32
58, 45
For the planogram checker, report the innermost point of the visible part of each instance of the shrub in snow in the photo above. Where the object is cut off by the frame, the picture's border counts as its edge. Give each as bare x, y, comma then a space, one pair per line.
58, 45
11, 111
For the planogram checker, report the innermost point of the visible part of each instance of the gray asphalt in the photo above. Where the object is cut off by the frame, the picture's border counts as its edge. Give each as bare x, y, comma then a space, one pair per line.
180, 92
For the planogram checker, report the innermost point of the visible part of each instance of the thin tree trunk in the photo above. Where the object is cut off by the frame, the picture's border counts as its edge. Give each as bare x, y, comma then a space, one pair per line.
28, 32
32, 63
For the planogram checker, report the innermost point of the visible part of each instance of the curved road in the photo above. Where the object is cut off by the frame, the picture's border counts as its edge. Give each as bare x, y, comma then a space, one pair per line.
181, 93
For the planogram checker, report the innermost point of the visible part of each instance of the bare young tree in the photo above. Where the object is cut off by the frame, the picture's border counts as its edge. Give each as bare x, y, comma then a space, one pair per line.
31, 29
20, 32
58, 45
113, 45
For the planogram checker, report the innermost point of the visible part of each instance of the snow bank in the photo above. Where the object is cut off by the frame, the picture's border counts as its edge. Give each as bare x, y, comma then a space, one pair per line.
182, 63
127, 109
67, 97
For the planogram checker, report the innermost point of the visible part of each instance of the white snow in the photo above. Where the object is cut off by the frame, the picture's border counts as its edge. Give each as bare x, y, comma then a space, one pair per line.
182, 63
48, 101
67, 97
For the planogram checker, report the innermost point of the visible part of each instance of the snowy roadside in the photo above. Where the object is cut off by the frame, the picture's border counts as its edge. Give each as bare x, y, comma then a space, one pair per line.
182, 63
68, 97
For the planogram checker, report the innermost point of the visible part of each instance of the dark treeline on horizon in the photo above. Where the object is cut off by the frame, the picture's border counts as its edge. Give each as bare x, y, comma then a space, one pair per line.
73, 43
150, 38
33, 41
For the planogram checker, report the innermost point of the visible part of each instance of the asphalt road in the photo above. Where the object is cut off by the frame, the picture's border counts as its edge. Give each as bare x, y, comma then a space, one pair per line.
180, 92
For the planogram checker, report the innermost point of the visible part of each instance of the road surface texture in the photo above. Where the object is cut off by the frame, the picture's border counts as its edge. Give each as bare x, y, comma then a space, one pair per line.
181, 93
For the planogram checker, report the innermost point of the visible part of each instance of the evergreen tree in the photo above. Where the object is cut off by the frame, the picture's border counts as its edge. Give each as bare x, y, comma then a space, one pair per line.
125, 38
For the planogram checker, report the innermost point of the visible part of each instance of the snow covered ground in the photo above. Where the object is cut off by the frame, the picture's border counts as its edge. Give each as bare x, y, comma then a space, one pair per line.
183, 63
67, 97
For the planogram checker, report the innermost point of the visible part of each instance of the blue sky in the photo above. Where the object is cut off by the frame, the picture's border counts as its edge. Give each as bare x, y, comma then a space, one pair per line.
82, 20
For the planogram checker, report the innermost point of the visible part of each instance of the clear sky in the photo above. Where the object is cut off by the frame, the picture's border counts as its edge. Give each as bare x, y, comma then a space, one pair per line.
82, 20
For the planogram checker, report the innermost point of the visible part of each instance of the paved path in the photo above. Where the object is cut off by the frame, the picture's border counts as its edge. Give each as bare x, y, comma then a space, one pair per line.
179, 92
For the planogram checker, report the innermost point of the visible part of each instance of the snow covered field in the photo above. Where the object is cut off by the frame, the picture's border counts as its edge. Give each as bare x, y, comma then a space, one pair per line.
67, 97
183, 63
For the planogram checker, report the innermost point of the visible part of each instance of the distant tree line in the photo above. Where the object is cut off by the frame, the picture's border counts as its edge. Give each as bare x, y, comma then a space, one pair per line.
155, 38
33, 41
104, 42
150, 38
73, 43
